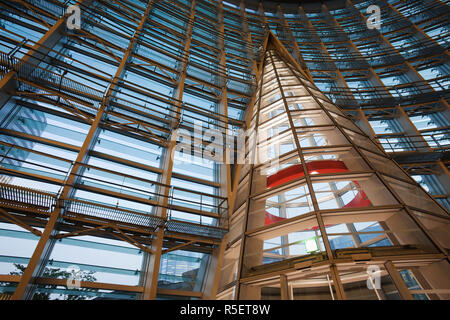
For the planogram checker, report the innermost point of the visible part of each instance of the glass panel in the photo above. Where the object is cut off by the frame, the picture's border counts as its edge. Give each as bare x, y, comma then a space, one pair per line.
99, 259
280, 206
320, 136
437, 226
415, 196
313, 287
183, 270
24, 243
351, 193
368, 282
380, 228
276, 244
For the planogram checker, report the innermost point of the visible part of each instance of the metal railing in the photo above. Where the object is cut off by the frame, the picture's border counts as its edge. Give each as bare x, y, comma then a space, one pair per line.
30, 199
391, 95
74, 207
21, 197
399, 142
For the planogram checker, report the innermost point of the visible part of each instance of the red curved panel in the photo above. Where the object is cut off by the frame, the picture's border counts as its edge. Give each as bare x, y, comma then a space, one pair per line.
314, 167
360, 200
296, 171
270, 218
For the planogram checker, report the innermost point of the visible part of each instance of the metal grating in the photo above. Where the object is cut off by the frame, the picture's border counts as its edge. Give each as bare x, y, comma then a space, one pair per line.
195, 229
26, 198
19, 197
74, 206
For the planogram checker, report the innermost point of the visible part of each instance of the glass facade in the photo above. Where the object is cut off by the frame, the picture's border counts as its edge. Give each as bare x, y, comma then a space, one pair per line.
318, 204
170, 149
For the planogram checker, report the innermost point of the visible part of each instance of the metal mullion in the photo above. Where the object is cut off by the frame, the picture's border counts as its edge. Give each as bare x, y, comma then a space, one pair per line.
31, 151
403, 290
37, 10
34, 106
128, 9
123, 161
20, 22
156, 122
143, 127
223, 103
87, 48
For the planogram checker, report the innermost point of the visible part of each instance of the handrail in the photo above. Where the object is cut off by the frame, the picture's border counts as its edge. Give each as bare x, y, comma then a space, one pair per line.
18, 196
414, 142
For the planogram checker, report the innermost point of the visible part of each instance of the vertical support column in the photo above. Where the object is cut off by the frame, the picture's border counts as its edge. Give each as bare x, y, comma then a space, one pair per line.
93, 130
337, 283
263, 16
35, 56
38, 260
249, 110
398, 282
150, 265
153, 262
416, 140
242, 290
212, 276
214, 271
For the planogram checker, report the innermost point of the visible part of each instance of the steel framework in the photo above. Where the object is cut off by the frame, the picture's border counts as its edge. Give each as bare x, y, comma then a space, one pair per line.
89, 123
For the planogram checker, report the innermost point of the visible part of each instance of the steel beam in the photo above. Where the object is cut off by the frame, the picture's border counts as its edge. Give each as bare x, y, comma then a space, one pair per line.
398, 281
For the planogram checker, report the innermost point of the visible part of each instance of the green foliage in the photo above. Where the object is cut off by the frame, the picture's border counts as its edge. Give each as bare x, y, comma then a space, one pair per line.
44, 291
